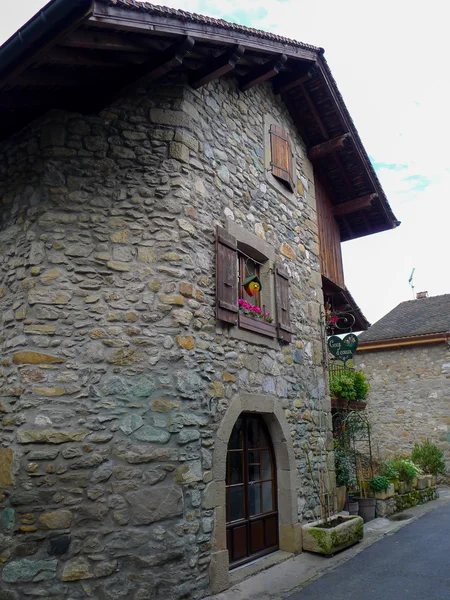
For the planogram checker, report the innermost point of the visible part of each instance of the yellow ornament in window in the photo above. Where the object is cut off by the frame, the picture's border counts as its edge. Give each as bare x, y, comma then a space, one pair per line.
252, 285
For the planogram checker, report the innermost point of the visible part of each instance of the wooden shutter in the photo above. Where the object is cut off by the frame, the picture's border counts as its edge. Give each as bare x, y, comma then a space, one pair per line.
281, 155
226, 277
282, 299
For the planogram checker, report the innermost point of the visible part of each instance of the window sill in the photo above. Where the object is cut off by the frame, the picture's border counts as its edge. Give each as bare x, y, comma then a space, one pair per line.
257, 325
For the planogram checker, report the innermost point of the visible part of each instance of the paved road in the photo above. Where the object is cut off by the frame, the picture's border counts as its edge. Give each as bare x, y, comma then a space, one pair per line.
412, 564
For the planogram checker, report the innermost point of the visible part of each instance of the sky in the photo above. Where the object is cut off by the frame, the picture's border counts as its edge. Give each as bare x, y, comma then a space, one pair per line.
389, 61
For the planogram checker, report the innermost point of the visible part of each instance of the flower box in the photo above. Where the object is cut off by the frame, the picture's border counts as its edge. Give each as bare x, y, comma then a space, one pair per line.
344, 532
258, 325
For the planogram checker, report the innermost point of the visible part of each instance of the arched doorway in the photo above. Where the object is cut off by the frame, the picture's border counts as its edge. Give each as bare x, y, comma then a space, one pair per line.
251, 491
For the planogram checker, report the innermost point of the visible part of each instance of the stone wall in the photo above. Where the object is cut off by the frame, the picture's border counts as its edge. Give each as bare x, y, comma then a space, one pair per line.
114, 373
410, 397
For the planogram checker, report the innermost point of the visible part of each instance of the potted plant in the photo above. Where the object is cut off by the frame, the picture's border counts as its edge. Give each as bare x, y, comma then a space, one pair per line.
344, 477
381, 487
349, 389
389, 470
429, 458
407, 472
330, 536
332, 532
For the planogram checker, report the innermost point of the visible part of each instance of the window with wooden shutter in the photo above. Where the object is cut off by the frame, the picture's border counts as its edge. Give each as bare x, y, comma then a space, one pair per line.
281, 156
282, 299
226, 277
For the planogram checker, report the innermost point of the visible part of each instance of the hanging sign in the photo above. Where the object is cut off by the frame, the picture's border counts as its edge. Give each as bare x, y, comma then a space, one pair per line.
345, 348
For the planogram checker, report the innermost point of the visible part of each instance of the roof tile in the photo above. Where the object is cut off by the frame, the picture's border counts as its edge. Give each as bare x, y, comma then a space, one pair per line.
411, 318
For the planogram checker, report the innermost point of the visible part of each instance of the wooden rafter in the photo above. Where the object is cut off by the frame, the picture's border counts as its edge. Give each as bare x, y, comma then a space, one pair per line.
158, 66
260, 74
313, 109
88, 58
348, 183
217, 67
321, 150
106, 41
286, 82
352, 206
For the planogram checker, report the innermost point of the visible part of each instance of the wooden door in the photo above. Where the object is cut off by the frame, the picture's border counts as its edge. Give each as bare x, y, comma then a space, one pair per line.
252, 517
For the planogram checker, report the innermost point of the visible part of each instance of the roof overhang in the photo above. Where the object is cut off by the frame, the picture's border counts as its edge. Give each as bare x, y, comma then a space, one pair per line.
343, 302
431, 338
81, 55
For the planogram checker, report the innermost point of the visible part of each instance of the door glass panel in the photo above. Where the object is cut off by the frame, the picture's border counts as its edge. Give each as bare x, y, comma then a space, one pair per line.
254, 500
252, 433
266, 465
235, 442
235, 468
236, 503
267, 496
253, 466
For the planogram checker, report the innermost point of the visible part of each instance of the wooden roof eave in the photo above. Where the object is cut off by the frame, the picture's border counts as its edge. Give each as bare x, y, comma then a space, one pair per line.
104, 15
305, 65
413, 340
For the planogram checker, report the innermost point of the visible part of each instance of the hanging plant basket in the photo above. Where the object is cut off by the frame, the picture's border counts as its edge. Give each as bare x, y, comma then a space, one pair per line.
339, 403
357, 405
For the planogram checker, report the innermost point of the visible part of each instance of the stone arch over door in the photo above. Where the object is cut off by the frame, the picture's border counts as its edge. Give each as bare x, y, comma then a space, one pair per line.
287, 481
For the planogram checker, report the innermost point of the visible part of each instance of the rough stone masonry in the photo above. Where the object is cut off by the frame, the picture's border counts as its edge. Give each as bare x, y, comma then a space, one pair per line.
114, 374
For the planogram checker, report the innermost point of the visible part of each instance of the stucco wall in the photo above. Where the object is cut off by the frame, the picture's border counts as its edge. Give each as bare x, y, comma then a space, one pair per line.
410, 396
115, 375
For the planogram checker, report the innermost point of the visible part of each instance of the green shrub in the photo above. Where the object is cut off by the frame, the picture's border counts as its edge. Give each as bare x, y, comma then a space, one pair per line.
361, 385
349, 385
429, 457
407, 470
343, 468
389, 470
379, 483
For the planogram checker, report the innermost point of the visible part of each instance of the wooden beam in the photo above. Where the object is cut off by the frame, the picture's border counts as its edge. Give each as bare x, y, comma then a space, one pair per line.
352, 206
217, 67
88, 58
106, 41
313, 109
326, 148
144, 74
50, 41
286, 82
260, 74
65, 78
117, 17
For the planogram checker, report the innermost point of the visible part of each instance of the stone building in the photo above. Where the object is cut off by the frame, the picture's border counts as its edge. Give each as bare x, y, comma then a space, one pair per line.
406, 357
154, 165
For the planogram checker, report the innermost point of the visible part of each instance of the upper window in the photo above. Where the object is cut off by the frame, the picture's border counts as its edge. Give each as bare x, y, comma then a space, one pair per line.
281, 156
252, 291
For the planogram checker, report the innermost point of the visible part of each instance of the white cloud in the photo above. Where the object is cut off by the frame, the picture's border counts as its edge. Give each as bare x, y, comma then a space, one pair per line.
389, 59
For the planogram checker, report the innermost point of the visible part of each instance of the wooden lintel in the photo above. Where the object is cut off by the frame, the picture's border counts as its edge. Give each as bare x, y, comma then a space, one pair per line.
352, 206
218, 67
321, 150
266, 71
285, 83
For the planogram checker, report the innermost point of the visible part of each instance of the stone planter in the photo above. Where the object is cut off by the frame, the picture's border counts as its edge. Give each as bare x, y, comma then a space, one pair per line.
328, 541
423, 482
385, 494
404, 487
396, 484
414, 483
357, 405
432, 480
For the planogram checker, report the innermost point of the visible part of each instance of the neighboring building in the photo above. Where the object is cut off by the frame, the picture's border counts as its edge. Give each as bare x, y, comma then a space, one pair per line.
186, 156
406, 357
